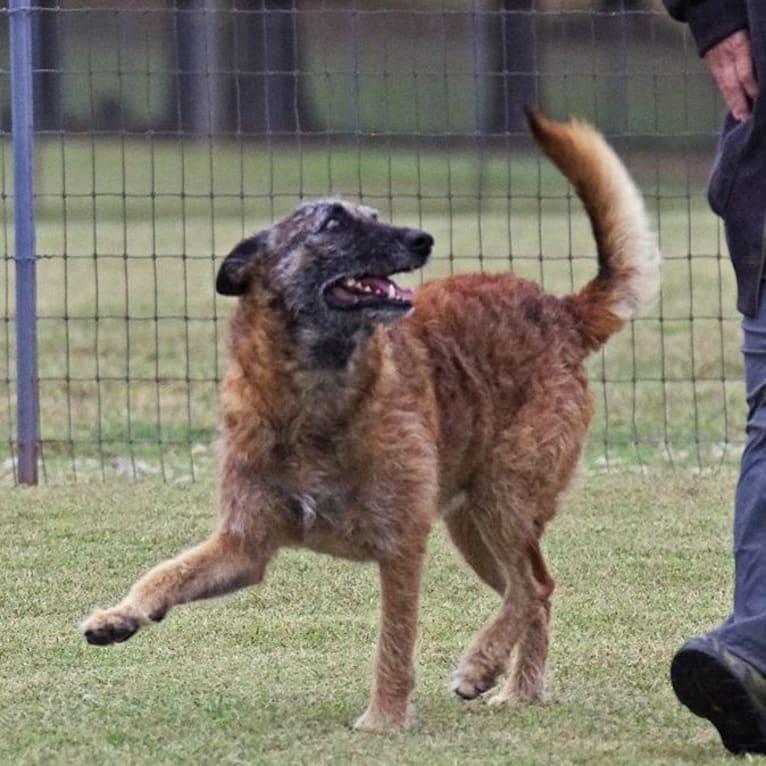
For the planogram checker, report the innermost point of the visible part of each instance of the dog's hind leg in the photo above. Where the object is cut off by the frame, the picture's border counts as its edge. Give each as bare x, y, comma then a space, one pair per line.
503, 512
466, 536
487, 656
394, 680
514, 497
225, 562
526, 682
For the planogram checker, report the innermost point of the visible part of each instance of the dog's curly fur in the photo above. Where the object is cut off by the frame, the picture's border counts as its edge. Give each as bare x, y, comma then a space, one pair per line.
351, 422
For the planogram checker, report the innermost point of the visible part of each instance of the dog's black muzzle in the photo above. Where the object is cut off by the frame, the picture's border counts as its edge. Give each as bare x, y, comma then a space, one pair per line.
418, 242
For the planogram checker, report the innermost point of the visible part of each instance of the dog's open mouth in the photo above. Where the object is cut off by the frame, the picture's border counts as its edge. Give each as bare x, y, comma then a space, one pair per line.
367, 292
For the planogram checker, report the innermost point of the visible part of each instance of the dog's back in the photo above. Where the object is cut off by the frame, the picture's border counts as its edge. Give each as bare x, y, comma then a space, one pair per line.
505, 355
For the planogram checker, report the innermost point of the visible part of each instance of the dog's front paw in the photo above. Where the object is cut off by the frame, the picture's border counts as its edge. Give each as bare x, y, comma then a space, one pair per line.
109, 626
374, 719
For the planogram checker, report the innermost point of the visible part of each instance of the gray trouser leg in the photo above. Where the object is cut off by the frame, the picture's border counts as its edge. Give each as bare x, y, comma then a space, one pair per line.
744, 633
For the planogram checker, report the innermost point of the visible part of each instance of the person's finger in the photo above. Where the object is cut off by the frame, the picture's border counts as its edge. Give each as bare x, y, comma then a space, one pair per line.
731, 64
744, 66
732, 90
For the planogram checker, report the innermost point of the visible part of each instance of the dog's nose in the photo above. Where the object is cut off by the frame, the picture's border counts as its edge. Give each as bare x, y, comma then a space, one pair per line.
419, 242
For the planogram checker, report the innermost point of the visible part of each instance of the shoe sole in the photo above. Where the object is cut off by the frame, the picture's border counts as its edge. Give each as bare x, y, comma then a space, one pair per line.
711, 690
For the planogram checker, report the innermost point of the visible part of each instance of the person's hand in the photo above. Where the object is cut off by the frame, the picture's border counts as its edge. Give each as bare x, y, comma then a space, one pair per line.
731, 64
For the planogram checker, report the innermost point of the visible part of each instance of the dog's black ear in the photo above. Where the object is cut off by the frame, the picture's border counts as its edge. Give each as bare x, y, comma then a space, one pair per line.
233, 275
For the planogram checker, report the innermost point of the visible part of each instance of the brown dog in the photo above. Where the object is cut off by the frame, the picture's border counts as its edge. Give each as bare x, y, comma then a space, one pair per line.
352, 421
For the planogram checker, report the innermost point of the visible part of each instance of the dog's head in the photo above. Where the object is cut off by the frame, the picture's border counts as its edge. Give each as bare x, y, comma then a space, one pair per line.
330, 265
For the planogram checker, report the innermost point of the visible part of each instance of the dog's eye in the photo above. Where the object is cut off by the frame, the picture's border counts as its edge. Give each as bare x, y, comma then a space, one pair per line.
333, 223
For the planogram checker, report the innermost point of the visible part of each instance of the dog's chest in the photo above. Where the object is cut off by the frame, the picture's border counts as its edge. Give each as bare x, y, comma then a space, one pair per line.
330, 516
317, 478
332, 501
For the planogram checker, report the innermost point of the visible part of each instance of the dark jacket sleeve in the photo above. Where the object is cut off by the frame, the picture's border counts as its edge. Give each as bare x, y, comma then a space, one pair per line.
710, 21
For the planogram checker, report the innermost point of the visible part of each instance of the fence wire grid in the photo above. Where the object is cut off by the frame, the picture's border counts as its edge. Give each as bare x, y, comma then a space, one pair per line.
165, 132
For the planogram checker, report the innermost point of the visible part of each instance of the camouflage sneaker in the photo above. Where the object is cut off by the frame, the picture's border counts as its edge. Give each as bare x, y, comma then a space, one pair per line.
715, 684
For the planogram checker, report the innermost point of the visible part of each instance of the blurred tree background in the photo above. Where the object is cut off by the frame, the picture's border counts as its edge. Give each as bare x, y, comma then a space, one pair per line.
283, 68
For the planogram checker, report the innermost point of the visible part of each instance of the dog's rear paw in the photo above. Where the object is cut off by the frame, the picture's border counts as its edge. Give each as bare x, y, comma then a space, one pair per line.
468, 685
376, 720
109, 626
514, 697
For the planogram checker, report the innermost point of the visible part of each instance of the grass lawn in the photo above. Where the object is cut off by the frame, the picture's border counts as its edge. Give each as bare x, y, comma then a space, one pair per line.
276, 674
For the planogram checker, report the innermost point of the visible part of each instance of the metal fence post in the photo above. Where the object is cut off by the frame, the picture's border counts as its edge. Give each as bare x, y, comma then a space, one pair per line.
28, 406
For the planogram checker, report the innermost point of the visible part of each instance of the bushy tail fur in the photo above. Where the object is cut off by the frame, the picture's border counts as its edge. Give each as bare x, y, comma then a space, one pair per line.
628, 256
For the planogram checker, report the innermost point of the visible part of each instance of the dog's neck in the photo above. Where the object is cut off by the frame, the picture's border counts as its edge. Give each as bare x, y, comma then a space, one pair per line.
331, 353
296, 361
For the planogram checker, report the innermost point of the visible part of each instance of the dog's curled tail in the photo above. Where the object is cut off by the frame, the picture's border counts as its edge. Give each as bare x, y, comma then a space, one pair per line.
628, 256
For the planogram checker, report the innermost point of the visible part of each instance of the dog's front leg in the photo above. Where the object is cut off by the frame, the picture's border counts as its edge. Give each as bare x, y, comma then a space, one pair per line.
224, 563
394, 669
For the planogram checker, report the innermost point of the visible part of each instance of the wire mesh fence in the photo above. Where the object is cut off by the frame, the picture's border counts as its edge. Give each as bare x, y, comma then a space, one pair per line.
165, 131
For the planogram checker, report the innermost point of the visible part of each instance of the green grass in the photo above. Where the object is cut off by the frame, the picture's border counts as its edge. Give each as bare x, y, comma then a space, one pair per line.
276, 674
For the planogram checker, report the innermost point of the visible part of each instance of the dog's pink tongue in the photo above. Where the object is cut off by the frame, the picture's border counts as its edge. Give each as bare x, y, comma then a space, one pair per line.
403, 293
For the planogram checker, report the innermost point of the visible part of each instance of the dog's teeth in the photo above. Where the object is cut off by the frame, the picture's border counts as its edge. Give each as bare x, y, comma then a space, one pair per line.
389, 291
